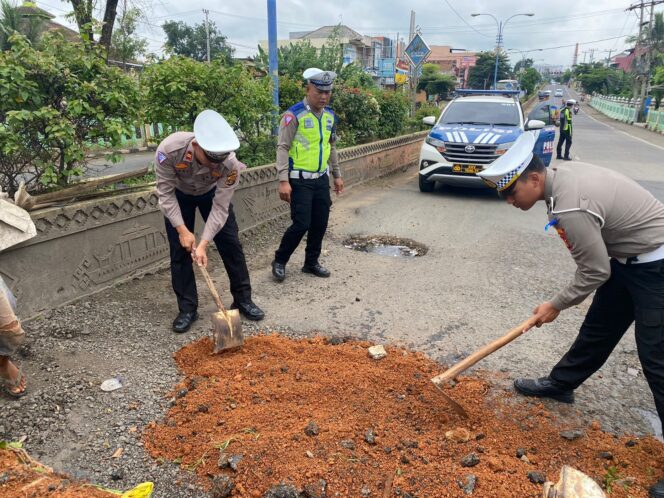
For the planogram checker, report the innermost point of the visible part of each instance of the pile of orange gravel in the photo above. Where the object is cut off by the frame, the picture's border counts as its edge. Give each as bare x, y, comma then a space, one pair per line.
22, 477
320, 416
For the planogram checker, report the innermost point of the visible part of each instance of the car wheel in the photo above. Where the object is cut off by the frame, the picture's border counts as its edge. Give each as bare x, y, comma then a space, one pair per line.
426, 186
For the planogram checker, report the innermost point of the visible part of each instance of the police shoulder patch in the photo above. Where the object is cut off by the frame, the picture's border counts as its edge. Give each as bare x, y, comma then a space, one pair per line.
161, 157
189, 156
288, 118
563, 235
231, 178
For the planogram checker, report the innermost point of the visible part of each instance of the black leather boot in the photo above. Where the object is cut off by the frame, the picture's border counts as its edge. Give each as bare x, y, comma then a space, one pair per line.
184, 320
544, 387
317, 269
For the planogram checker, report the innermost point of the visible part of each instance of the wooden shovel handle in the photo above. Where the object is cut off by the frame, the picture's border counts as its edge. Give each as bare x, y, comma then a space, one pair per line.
213, 290
484, 352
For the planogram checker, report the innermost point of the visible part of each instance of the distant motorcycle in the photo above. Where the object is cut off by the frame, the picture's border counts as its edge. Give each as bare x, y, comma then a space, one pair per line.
576, 109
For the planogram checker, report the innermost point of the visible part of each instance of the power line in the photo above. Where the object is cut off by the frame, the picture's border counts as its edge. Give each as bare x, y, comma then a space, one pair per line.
464, 21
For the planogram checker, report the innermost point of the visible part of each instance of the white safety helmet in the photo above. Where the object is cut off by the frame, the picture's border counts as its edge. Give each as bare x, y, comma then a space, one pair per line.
214, 135
571, 102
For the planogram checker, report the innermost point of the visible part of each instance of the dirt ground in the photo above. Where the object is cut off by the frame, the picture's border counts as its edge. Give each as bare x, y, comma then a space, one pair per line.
308, 412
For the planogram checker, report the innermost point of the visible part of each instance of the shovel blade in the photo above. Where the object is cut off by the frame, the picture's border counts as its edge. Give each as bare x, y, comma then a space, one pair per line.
227, 330
458, 409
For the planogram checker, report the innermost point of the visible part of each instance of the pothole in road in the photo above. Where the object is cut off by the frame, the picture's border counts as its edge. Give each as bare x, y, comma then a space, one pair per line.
387, 245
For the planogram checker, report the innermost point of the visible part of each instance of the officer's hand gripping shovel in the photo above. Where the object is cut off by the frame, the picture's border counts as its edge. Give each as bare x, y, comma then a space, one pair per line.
440, 380
227, 326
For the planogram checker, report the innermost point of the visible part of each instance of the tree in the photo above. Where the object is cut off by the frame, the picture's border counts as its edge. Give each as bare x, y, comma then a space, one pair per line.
522, 65
125, 45
481, 75
433, 82
294, 58
85, 21
179, 88
26, 20
54, 102
596, 77
530, 79
352, 75
567, 76
658, 86
191, 41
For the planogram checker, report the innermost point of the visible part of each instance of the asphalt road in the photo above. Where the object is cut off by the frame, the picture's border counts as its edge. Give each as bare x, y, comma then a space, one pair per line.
128, 162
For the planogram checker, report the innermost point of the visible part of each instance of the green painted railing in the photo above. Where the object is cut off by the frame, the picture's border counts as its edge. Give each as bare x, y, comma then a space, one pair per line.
655, 120
614, 108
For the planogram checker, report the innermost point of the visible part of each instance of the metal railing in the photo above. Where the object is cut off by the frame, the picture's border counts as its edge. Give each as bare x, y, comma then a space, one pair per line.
618, 108
655, 120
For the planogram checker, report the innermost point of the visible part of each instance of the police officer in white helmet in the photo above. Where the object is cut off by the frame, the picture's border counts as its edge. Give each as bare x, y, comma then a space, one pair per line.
199, 170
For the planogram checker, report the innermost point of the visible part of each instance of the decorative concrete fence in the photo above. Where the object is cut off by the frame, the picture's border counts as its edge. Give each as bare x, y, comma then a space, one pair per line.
655, 121
87, 246
619, 108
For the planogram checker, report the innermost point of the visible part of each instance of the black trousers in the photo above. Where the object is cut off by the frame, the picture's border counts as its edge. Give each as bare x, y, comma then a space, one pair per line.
632, 293
310, 211
566, 138
228, 245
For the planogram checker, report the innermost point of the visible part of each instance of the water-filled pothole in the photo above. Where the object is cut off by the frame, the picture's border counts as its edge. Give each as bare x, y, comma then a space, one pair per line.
387, 245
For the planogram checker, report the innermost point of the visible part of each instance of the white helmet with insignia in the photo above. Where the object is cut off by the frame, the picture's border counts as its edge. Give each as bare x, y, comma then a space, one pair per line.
320, 79
214, 135
504, 171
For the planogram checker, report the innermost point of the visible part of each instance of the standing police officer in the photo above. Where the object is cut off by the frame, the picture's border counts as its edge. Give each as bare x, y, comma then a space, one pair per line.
614, 230
565, 131
306, 152
200, 170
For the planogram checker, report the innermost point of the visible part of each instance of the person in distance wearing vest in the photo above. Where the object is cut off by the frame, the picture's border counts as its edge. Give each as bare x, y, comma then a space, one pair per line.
565, 131
306, 153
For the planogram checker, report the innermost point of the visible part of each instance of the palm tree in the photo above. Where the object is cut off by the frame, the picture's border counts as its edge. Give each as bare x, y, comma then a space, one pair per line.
27, 20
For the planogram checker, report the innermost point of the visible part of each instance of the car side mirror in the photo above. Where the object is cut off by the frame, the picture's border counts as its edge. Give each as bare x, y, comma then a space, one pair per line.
429, 120
535, 124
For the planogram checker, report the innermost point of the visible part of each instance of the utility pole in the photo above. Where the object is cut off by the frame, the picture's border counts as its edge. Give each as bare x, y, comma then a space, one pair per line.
643, 67
413, 70
576, 55
273, 60
207, 32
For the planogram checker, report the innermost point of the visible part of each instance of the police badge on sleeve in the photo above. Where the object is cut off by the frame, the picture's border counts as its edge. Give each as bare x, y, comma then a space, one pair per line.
231, 178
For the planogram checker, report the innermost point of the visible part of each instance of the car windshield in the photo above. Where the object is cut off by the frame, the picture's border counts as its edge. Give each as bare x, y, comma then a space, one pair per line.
481, 113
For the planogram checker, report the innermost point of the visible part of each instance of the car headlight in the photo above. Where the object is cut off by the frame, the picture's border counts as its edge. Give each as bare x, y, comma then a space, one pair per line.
434, 142
502, 148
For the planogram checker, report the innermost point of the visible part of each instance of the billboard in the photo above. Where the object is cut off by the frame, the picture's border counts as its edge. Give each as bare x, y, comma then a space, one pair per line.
386, 67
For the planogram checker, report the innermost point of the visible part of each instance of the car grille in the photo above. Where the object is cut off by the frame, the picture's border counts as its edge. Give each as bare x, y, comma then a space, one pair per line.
483, 154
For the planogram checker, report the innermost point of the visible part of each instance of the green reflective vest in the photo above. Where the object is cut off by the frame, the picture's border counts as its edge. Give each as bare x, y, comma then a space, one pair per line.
310, 149
568, 119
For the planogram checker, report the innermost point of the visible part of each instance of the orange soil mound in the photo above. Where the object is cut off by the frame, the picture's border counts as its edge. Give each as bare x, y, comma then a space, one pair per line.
257, 402
20, 476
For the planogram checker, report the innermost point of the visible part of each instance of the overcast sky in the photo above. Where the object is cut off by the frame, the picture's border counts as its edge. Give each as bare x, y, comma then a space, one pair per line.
601, 26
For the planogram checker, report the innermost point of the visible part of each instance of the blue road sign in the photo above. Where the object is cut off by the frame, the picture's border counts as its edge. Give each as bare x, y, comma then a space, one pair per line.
417, 50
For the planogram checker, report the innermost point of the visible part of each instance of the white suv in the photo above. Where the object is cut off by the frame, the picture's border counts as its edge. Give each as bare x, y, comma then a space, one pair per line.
474, 130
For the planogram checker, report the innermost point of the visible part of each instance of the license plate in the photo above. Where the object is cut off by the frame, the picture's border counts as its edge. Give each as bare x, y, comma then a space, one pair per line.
466, 168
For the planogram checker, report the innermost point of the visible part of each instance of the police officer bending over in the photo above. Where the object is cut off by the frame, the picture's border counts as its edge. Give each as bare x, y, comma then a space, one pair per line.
305, 153
614, 230
200, 170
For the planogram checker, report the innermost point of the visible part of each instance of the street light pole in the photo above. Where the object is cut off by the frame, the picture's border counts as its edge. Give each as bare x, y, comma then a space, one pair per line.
501, 26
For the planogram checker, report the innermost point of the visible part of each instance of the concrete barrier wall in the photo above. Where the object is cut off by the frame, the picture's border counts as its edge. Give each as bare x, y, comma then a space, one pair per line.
87, 246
